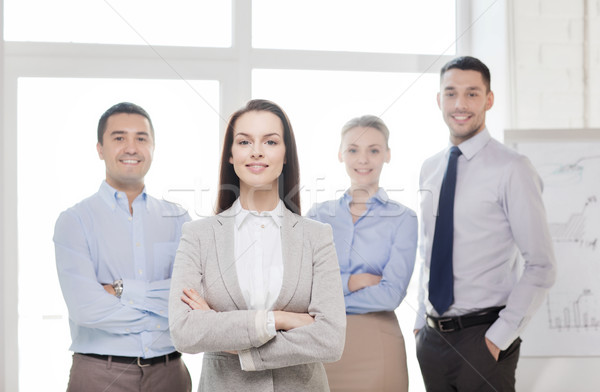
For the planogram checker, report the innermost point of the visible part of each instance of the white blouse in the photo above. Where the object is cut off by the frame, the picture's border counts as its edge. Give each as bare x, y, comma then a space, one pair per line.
259, 257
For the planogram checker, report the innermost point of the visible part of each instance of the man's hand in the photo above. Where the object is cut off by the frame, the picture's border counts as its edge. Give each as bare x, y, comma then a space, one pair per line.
110, 289
360, 281
494, 350
285, 321
416, 331
194, 300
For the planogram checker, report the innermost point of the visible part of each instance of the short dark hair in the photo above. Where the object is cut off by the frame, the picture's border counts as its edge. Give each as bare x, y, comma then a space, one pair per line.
468, 63
122, 107
289, 179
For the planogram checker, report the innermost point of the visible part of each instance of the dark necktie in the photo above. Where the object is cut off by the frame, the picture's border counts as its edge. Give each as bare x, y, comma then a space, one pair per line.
441, 280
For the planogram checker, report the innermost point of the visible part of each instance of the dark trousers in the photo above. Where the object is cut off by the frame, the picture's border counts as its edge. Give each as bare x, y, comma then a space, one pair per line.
461, 361
91, 374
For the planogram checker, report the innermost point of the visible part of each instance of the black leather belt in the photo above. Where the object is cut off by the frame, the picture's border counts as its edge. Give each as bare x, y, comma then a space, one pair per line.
141, 362
451, 324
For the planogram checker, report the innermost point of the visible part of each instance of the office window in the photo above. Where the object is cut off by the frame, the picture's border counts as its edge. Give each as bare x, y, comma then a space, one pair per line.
385, 26
127, 22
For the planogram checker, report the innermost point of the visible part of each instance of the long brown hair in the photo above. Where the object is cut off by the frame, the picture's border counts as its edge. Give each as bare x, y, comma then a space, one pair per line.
289, 180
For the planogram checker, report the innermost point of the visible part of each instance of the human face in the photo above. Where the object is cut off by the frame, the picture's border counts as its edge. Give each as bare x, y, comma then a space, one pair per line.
364, 151
463, 100
126, 149
258, 151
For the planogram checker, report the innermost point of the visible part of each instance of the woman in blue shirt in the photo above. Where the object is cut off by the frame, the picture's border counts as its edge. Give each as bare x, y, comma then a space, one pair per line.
375, 240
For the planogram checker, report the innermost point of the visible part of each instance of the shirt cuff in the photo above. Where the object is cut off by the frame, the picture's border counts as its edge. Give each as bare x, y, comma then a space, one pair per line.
246, 361
501, 334
264, 323
134, 293
345, 279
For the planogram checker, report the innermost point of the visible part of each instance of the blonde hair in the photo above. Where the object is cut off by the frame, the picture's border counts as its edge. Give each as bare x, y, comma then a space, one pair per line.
368, 121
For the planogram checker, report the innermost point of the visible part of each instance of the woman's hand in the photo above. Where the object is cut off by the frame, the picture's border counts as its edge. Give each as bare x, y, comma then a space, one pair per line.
360, 281
194, 300
285, 321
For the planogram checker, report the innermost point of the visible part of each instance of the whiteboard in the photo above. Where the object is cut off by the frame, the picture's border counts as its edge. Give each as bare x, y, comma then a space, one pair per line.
568, 323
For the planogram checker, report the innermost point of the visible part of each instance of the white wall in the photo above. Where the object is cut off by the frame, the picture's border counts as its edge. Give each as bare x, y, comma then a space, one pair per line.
2, 274
535, 51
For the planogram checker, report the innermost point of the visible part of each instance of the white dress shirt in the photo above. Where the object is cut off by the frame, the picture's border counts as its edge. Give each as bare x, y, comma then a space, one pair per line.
258, 255
499, 216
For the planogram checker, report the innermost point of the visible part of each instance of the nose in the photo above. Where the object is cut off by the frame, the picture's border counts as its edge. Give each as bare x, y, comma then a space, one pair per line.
257, 153
461, 102
130, 148
363, 157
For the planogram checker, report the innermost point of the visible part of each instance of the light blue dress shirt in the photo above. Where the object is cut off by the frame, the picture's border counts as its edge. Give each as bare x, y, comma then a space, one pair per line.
98, 241
383, 241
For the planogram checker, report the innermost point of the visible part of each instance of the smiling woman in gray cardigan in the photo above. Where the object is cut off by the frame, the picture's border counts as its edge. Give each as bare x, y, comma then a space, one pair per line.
281, 345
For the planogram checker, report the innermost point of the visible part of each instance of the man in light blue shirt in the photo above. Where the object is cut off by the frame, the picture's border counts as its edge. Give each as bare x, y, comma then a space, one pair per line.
114, 256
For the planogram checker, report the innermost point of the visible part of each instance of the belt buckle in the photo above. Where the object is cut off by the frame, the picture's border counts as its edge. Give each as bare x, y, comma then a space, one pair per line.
441, 327
140, 364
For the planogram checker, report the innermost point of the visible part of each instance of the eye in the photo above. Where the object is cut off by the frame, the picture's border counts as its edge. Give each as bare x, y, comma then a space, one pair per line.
473, 95
243, 142
141, 139
272, 142
449, 94
375, 151
352, 150
119, 138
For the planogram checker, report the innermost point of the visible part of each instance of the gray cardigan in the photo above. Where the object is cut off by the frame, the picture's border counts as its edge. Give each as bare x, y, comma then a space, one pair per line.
292, 361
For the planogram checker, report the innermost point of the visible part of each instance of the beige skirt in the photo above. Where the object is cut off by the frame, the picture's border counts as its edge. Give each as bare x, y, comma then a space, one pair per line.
374, 357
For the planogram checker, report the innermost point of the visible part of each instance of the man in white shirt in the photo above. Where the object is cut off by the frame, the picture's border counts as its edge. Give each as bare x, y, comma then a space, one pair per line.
493, 259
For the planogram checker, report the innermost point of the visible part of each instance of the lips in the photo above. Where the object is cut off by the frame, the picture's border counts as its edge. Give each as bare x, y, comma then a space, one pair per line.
461, 117
257, 167
130, 161
363, 171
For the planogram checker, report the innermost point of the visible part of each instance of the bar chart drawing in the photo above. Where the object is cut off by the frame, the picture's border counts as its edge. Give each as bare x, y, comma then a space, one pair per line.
568, 322
578, 314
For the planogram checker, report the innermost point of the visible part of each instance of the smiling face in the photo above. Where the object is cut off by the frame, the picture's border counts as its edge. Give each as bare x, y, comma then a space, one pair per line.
127, 148
463, 100
258, 151
364, 151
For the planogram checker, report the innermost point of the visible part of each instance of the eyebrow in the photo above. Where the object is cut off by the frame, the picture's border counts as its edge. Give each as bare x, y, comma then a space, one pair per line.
372, 145
120, 132
468, 88
264, 136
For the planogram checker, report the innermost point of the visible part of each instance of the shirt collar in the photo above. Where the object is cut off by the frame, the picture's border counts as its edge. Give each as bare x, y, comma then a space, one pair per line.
469, 148
112, 196
241, 214
381, 196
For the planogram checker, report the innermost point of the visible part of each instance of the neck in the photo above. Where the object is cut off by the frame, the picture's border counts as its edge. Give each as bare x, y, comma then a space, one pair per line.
131, 190
256, 199
362, 193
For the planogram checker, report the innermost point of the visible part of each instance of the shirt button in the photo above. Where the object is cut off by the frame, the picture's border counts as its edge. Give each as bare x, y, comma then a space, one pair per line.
130, 219
147, 349
157, 326
161, 312
137, 244
127, 330
130, 302
262, 226
140, 271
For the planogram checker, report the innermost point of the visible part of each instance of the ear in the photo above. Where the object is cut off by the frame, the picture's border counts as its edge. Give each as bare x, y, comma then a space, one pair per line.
340, 157
490, 100
231, 159
99, 149
388, 155
439, 97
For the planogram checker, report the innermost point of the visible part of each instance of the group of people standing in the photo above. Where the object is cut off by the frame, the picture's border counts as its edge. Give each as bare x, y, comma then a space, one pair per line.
281, 302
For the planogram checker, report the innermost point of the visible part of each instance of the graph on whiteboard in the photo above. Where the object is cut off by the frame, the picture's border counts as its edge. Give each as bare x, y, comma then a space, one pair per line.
568, 324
